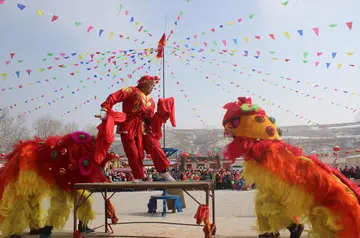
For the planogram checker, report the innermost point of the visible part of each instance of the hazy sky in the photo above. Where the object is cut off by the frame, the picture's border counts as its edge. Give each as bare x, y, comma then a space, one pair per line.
31, 37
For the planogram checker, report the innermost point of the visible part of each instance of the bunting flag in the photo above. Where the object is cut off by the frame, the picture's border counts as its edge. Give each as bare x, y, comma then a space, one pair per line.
140, 26
89, 28
268, 101
161, 45
271, 35
290, 79
286, 59
186, 97
88, 101
353, 110
176, 23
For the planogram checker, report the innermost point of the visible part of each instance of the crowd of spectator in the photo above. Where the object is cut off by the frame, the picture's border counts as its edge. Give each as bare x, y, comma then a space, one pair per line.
352, 172
223, 178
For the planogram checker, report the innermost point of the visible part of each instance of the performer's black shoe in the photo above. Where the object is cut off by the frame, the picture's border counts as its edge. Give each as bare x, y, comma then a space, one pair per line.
296, 230
41, 230
84, 228
270, 235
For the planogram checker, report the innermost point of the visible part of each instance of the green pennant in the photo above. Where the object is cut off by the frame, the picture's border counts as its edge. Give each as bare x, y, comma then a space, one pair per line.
285, 3
41, 70
333, 25
105, 65
306, 54
81, 81
68, 86
10, 88
64, 67
214, 43
232, 54
77, 23
108, 51
251, 16
212, 50
84, 86
54, 78
272, 52
20, 61
44, 59
203, 33
181, 12
50, 54
145, 30
103, 53
102, 58
305, 61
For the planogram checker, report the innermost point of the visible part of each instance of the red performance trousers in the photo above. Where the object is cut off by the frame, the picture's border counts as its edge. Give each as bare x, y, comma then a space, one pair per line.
151, 146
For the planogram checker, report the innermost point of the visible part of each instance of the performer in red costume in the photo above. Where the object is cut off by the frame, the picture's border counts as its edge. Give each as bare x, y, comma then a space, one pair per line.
136, 131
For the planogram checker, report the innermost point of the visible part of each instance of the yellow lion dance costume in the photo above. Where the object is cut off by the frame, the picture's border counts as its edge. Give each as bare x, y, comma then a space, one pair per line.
291, 187
46, 168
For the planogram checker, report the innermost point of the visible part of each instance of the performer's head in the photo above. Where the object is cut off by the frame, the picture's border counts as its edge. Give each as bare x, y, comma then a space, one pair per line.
147, 83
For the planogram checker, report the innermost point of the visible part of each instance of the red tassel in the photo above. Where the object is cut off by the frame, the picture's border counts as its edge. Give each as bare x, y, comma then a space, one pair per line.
77, 234
202, 214
111, 212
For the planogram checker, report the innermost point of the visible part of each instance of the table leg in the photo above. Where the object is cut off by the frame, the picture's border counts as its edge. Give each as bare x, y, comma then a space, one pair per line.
106, 221
213, 201
75, 210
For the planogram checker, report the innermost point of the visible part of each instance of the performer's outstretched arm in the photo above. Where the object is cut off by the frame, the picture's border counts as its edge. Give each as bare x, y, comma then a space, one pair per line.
118, 96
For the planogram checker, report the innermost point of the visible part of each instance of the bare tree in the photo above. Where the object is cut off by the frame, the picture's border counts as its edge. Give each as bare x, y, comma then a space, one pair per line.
91, 129
11, 130
47, 126
70, 127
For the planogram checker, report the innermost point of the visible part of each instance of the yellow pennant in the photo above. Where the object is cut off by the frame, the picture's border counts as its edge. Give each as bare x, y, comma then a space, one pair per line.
181, 41
196, 44
4, 75
349, 53
111, 35
246, 39
287, 35
137, 23
29, 84
80, 57
339, 66
275, 58
230, 23
40, 12
98, 61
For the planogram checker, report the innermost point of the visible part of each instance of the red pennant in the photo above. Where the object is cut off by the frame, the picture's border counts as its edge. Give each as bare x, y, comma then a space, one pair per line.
54, 18
316, 31
92, 56
239, 20
272, 36
50, 67
61, 65
12, 55
72, 74
212, 29
258, 37
349, 24
287, 60
20, 86
205, 44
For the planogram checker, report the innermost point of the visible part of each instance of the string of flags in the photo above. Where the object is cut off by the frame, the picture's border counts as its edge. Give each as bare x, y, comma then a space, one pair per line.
257, 55
272, 36
196, 112
345, 91
86, 102
89, 28
132, 20
214, 29
176, 23
297, 115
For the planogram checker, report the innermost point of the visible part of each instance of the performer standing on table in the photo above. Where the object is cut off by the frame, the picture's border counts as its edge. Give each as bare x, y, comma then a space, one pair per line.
136, 133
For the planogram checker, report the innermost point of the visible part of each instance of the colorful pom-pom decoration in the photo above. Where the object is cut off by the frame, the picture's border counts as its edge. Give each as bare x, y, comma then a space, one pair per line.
260, 119
62, 171
84, 165
71, 167
249, 107
53, 155
273, 121
63, 151
81, 137
270, 131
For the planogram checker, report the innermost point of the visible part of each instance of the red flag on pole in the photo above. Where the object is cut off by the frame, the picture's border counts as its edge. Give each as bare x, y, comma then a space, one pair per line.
161, 45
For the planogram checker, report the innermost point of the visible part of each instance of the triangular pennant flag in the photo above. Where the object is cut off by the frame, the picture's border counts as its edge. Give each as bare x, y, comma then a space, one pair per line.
272, 36
4, 75
21, 7
28, 71
100, 32
2, 2
54, 18
333, 25
349, 53
111, 35
328, 65
12, 55
7, 62
319, 53
40, 12
235, 41
287, 35
333, 54
316, 64
132, 19
89, 29
339, 66
287, 60
300, 32
77, 23
251, 16
349, 24
285, 3
306, 54
17, 74
246, 39
224, 42
316, 31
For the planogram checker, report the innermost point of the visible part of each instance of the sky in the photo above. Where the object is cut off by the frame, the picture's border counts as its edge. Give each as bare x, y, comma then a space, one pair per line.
199, 78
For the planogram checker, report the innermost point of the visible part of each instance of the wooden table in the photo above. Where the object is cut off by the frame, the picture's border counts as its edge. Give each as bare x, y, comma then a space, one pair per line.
105, 188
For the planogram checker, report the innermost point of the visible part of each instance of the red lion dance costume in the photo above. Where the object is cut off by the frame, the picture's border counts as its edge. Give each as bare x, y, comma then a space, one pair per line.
290, 185
141, 129
38, 169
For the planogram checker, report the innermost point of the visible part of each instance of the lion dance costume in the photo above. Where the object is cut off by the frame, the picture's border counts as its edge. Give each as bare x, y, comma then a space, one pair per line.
46, 168
291, 187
